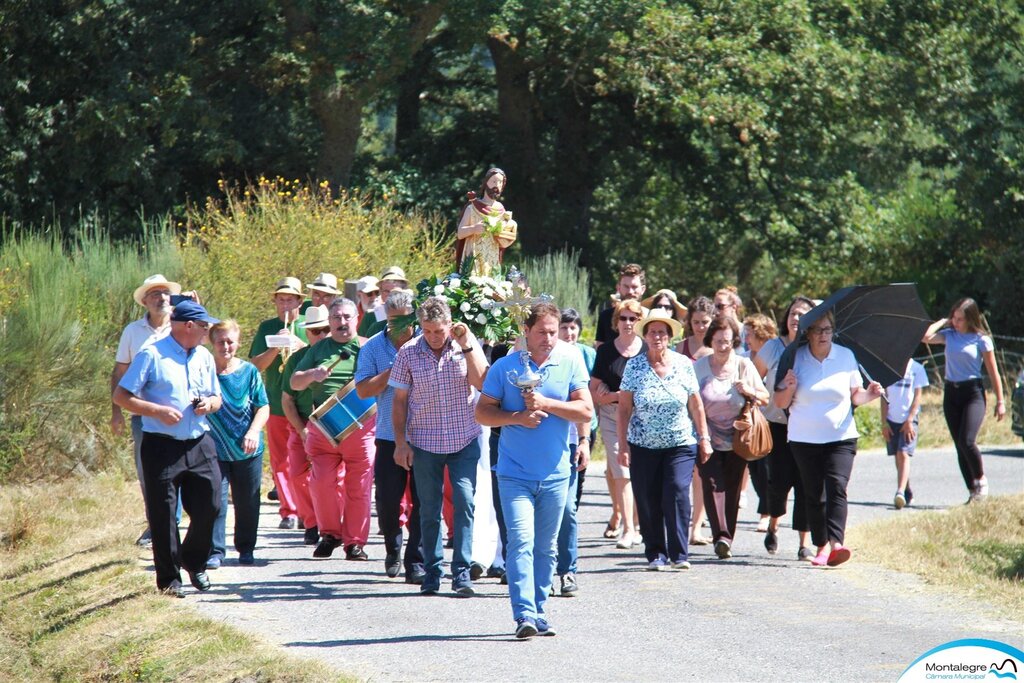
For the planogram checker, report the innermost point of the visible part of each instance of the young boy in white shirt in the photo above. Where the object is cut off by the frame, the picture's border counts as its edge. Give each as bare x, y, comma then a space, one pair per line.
901, 405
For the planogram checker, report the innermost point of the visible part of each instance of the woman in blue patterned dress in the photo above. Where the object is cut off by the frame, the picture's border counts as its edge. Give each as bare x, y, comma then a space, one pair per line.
661, 422
238, 433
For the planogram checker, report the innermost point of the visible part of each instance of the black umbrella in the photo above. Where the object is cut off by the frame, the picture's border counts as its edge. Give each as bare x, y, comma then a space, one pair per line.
881, 324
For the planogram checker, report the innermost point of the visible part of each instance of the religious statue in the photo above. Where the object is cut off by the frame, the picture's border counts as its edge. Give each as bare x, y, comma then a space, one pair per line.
486, 229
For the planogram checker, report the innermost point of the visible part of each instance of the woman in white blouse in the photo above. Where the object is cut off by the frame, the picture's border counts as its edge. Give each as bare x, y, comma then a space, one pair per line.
821, 391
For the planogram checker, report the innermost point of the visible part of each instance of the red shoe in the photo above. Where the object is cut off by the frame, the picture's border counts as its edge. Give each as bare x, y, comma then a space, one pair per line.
821, 559
838, 556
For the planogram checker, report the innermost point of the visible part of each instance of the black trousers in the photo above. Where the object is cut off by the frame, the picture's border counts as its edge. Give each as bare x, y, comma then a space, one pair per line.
170, 465
963, 404
825, 469
391, 481
784, 475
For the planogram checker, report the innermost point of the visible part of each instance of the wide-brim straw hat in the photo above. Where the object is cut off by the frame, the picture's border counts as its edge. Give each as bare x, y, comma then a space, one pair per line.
289, 285
316, 316
154, 281
394, 273
367, 283
658, 315
325, 282
649, 301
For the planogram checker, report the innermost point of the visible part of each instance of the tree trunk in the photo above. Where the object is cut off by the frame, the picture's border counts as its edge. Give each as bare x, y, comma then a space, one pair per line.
516, 149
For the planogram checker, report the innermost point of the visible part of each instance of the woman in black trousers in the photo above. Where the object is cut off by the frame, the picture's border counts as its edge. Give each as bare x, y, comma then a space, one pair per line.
963, 401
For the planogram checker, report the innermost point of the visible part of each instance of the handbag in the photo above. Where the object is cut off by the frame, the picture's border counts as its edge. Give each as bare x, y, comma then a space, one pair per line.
752, 439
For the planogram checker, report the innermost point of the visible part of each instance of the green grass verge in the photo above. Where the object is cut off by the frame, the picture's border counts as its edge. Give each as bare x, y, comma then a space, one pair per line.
976, 549
77, 605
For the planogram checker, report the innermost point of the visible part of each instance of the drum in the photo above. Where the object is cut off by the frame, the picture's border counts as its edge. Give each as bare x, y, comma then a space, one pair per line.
343, 413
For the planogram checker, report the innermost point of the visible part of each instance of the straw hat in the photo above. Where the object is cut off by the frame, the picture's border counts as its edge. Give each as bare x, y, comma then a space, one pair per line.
154, 281
316, 316
679, 308
289, 285
394, 273
325, 282
659, 315
367, 283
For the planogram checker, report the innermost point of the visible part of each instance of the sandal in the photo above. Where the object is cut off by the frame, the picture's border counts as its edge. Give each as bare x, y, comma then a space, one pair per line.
700, 540
611, 532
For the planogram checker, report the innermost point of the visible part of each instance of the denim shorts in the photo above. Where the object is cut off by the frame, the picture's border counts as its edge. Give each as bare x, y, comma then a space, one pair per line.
899, 441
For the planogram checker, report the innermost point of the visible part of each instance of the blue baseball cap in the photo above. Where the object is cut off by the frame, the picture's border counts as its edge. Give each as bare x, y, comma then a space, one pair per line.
189, 310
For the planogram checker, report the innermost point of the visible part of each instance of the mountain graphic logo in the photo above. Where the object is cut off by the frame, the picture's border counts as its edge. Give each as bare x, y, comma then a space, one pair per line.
997, 670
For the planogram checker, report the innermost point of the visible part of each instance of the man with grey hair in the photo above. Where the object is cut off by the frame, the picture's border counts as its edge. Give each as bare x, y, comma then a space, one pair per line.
432, 414
372, 374
342, 511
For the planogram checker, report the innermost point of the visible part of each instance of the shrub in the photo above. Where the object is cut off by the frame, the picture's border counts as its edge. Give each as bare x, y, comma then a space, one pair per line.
559, 274
62, 308
238, 245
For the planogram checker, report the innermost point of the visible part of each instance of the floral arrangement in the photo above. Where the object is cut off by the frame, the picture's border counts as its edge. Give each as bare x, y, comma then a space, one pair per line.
473, 301
496, 223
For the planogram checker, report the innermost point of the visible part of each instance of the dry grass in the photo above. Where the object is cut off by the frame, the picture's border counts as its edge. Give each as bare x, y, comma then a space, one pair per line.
976, 550
76, 604
932, 429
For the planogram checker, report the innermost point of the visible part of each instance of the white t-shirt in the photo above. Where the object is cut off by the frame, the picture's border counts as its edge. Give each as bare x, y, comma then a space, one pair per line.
138, 334
901, 393
821, 411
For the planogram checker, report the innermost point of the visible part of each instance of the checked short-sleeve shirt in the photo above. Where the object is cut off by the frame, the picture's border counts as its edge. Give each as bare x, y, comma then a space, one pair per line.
441, 402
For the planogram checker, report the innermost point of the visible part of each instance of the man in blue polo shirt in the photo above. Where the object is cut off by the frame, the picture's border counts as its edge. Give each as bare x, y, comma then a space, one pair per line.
172, 384
373, 370
533, 458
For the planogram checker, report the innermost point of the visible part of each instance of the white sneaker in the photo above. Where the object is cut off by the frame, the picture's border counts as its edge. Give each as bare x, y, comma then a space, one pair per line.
899, 501
983, 486
681, 565
743, 500
657, 565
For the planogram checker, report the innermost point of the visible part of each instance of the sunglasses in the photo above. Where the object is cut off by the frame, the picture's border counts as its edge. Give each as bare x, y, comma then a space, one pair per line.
721, 306
666, 307
317, 330
628, 319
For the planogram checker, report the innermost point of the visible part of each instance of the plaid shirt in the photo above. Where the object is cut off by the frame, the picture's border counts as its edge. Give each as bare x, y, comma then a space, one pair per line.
441, 402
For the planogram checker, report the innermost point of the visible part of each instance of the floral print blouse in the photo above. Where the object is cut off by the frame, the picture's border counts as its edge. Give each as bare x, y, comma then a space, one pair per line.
661, 417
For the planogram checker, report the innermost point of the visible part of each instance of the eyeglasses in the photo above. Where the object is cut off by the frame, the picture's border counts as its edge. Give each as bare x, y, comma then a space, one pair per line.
205, 326
821, 331
720, 306
628, 319
343, 316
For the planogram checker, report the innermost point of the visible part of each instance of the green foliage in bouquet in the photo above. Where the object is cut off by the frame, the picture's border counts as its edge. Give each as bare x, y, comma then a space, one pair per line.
472, 300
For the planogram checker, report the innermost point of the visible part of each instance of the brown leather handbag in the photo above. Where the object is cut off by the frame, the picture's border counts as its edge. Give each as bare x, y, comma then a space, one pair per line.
752, 439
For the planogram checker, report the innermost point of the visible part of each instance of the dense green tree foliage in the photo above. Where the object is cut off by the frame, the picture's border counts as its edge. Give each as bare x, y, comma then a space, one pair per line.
782, 145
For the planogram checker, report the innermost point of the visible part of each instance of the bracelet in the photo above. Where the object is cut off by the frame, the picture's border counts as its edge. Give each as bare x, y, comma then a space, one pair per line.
704, 437
467, 350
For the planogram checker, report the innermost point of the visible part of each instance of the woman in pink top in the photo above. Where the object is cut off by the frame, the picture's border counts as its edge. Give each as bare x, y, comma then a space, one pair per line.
726, 381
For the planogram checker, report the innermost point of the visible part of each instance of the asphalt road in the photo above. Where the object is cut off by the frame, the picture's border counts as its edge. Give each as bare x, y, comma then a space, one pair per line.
754, 617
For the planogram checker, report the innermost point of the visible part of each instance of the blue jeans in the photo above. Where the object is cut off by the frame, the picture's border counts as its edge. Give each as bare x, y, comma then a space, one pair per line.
533, 512
428, 471
136, 423
244, 477
569, 530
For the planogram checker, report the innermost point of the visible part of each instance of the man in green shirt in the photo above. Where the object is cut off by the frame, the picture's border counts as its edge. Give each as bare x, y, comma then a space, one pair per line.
342, 512
287, 298
298, 406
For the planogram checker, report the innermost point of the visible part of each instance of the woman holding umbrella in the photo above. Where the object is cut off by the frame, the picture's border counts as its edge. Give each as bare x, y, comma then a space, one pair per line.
821, 391
963, 401
784, 474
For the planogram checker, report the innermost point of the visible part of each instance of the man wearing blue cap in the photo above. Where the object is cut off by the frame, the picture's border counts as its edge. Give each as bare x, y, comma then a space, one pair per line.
172, 383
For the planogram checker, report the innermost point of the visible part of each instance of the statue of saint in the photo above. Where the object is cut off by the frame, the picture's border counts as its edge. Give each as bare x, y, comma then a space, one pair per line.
486, 229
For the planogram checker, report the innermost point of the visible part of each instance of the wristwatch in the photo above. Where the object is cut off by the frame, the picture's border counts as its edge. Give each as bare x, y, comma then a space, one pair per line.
704, 437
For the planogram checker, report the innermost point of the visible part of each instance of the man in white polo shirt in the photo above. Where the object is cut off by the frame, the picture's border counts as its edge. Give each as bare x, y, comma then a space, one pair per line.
154, 294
